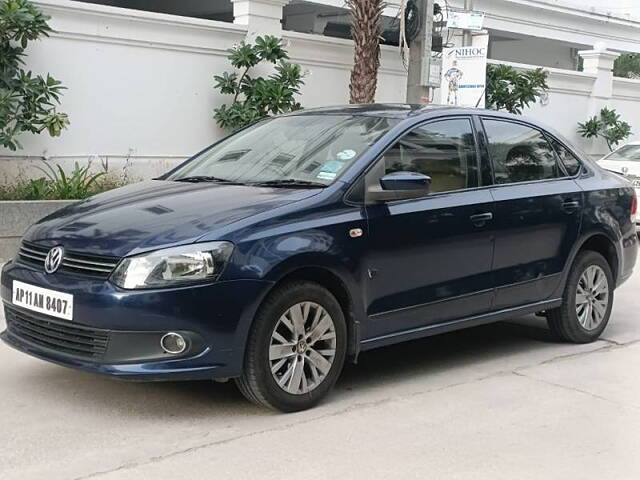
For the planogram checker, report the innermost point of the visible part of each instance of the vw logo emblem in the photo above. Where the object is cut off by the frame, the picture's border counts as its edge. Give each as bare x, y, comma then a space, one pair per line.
54, 259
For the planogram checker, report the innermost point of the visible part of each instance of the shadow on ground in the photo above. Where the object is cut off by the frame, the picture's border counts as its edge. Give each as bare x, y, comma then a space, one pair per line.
395, 364
437, 354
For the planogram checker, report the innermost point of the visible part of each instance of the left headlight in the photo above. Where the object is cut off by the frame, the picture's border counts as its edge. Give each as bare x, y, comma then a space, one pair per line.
173, 266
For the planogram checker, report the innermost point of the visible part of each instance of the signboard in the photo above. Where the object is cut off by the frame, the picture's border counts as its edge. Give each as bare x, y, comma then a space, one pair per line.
465, 20
464, 72
435, 71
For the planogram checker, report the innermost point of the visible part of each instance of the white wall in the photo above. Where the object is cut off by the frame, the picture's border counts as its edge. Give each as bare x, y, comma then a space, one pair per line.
571, 101
626, 100
533, 51
327, 63
141, 86
539, 18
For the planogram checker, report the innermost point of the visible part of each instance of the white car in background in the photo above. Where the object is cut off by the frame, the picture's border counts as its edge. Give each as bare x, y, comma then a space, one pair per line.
625, 161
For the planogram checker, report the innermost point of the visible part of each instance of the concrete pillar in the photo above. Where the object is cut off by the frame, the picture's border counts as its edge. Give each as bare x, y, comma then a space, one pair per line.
262, 17
600, 63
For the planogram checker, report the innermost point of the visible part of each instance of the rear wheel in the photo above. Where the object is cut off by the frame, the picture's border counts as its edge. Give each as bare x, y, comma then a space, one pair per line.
296, 348
587, 300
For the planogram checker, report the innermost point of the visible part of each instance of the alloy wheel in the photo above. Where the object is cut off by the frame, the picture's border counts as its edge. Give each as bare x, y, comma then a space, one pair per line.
302, 348
592, 297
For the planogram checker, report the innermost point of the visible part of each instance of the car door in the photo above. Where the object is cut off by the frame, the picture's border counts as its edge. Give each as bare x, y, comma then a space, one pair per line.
538, 212
429, 259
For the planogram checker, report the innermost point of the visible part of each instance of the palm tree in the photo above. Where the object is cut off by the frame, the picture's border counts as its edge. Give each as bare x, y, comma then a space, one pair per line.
366, 29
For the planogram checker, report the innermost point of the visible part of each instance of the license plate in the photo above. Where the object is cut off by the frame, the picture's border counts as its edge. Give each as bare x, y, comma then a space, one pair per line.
43, 300
636, 183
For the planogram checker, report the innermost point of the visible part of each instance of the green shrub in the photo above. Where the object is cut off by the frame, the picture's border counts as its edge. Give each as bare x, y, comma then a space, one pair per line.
27, 101
78, 184
56, 184
257, 97
627, 65
511, 90
606, 125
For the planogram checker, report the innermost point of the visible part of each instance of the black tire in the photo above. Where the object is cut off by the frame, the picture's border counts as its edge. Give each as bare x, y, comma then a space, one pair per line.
563, 321
257, 383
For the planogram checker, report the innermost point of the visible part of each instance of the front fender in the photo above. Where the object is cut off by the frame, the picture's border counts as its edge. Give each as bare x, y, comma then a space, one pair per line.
324, 253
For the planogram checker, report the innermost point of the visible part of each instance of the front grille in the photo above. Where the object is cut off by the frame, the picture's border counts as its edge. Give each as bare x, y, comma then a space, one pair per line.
58, 335
73, 262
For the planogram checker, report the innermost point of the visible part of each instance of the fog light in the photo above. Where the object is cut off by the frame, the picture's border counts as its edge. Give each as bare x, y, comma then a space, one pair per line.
173, 343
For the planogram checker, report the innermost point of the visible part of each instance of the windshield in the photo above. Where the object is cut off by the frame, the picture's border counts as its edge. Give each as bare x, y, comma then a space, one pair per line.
628, 153
311, 149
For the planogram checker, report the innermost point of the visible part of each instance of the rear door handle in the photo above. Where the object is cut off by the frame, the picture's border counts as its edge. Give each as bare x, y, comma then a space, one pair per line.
570, 206
479, 219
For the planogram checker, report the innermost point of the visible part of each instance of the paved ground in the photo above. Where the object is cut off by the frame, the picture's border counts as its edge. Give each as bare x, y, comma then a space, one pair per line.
497, 402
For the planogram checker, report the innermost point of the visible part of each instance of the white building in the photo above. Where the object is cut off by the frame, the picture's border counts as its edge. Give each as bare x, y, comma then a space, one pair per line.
140, 72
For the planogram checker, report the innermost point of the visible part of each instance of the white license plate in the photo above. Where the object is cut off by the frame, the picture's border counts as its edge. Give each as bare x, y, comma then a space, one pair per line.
43, 300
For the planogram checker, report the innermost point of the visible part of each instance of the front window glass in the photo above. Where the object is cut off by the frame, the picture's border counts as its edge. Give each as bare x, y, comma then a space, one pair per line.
520, 153
628, 153
443, 150
315, 149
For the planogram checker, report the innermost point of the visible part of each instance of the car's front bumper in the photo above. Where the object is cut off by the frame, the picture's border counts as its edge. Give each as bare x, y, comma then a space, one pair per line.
128, 325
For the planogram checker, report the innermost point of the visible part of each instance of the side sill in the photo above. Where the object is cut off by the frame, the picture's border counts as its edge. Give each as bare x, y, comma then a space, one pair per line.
450, 326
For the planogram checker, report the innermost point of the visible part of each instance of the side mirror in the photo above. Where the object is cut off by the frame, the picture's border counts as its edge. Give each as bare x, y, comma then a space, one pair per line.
400, 186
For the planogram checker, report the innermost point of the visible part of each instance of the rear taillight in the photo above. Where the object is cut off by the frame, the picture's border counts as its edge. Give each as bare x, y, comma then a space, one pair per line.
634, 206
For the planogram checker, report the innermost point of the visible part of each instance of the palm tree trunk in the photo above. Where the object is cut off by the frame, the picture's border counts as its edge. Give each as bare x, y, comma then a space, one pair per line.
366, 29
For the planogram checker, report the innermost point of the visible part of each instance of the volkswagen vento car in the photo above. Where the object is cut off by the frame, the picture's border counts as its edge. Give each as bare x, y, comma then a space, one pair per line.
304, 240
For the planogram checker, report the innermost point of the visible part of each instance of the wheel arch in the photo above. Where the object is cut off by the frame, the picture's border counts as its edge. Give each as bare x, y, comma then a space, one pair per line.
600, 242
337, 277
603, 245
338, 286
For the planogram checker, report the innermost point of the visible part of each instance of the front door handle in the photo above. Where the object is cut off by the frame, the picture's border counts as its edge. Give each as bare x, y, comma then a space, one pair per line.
479, 219
570, 206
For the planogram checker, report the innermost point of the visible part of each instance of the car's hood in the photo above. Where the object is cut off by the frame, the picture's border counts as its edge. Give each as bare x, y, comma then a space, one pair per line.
155, 214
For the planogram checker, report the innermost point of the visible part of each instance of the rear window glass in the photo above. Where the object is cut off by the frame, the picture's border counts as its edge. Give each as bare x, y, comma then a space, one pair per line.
520, 153
568, 159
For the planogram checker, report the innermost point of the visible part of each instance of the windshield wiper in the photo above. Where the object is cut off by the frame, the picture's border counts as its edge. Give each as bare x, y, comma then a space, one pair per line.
290, 182
206, 178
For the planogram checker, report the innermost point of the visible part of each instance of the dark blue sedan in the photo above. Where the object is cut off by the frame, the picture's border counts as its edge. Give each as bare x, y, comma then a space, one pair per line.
306, 239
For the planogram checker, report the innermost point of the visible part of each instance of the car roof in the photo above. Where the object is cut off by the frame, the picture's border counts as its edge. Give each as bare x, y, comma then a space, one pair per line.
403, 111
390, 110
417, 113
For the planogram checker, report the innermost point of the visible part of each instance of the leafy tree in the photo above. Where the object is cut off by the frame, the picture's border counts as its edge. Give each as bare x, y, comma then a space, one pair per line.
511, 90
27, 101
627, 65
606, 125
257, 97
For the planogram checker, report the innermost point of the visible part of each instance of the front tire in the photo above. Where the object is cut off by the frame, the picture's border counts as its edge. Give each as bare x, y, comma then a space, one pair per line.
587, 300
296, 348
